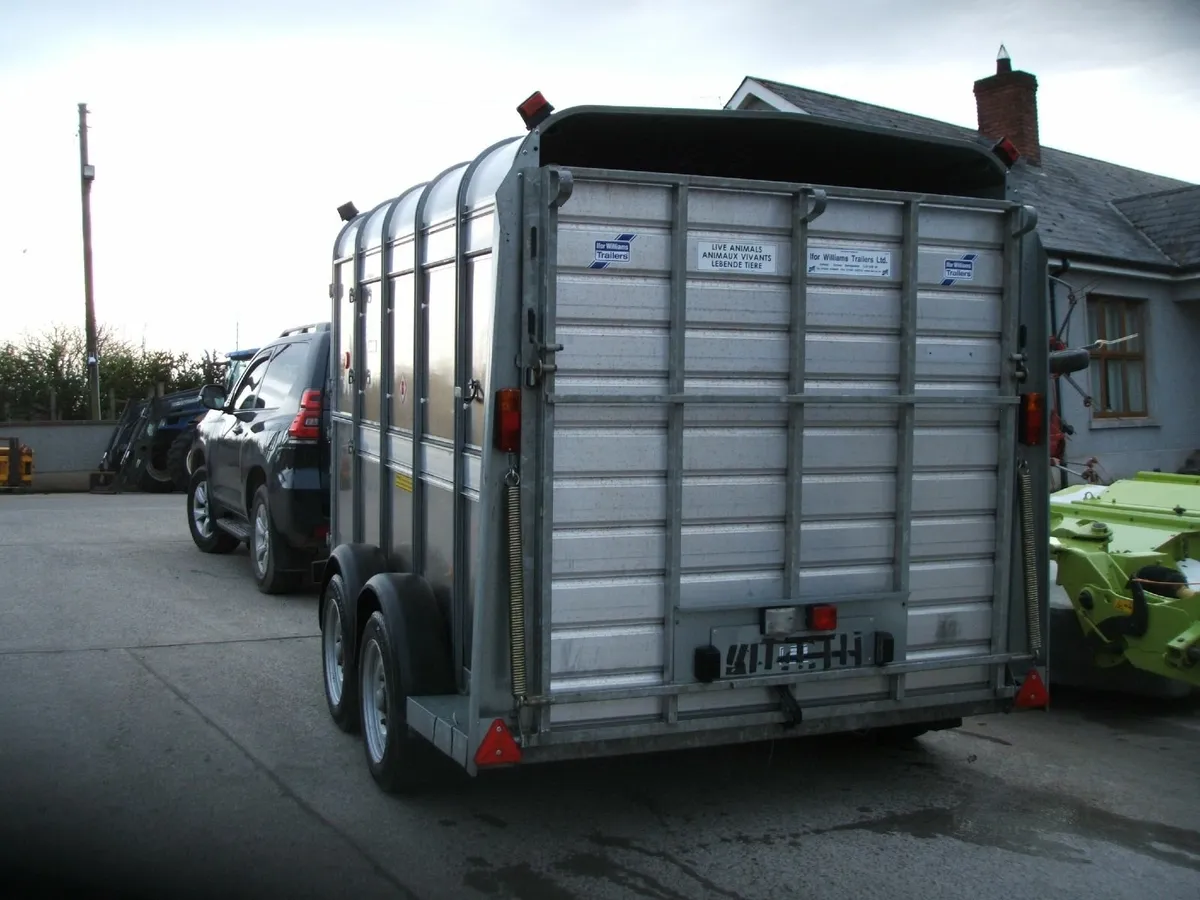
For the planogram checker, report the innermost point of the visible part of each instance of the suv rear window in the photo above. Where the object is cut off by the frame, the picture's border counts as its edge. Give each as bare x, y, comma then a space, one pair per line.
285, 369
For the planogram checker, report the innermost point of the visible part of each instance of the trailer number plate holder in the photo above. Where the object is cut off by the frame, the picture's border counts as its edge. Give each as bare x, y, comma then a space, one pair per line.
746, 653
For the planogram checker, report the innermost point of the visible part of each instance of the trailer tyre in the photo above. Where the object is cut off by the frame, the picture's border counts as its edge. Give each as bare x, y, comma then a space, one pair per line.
399, 759
269, 554
341, 687
201, 519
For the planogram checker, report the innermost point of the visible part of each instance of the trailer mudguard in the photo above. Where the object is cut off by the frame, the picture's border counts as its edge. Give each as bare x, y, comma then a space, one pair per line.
357, 564
416, 629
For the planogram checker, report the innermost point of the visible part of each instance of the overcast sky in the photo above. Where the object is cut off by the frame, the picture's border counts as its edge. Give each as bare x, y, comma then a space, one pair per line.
226, 132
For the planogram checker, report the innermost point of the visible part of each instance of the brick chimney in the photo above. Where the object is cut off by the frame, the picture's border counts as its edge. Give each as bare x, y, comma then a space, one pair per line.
1006, 104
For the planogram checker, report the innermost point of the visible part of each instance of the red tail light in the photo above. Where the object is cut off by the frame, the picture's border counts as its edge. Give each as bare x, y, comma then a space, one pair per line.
534, 110
307, 424
1007, 152
1031, 425
508, 420
821, 618
497, 747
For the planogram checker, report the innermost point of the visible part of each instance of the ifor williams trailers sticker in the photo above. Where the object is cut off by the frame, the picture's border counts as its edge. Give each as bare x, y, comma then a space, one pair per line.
616, 251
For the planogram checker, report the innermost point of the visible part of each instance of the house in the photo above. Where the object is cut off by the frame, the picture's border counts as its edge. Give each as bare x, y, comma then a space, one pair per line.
1124, 243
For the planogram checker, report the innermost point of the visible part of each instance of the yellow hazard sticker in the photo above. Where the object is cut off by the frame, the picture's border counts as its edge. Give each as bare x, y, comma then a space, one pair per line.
404, 482
1123, 604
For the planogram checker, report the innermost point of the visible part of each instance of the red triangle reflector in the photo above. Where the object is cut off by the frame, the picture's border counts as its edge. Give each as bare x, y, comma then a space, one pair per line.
1033, 693
497, 747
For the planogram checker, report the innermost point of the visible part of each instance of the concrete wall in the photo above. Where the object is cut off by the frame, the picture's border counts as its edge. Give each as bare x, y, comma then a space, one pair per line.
63, 452
1164, 439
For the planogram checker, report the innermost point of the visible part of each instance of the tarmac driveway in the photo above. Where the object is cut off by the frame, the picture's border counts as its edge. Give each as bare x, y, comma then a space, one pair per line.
163, 733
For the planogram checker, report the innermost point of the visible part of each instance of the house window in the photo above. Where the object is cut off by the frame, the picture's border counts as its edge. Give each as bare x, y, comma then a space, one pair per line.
1118, 371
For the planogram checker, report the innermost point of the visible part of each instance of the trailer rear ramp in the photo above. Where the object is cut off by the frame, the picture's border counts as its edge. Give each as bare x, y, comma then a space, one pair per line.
710, 516
766, 462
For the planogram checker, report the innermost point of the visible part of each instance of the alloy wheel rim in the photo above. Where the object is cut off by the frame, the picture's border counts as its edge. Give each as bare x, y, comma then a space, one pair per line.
374, 701
200, 513
262, 535
335, 658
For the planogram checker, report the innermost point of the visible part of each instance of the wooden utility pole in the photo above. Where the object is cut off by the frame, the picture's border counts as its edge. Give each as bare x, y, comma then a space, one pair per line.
87, 174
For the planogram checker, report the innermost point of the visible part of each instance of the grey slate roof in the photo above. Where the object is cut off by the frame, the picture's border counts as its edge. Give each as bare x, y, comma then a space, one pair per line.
1171, 219
1073, 195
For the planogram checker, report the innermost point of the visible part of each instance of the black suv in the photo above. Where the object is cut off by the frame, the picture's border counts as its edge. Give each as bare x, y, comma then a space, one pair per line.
259, 467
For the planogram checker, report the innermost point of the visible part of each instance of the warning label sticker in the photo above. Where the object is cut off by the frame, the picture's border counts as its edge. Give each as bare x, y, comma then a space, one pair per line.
850, 261
729, 256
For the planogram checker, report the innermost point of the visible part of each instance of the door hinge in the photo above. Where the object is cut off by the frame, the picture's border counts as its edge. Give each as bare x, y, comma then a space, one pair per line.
1020, 372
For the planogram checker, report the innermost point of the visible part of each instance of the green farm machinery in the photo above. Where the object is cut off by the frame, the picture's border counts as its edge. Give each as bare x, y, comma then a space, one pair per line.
1125, 565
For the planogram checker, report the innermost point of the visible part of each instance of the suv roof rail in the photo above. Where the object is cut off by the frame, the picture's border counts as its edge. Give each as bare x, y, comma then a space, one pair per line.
305, 329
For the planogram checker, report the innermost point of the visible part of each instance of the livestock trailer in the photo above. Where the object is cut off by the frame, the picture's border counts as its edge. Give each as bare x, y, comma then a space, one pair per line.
661, 428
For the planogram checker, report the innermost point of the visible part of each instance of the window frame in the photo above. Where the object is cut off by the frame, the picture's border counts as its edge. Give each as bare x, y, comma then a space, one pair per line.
263, 360
1098, 308
279, 351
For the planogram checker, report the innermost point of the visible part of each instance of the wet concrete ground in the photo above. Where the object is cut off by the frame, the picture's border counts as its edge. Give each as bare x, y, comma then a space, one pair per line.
163, 732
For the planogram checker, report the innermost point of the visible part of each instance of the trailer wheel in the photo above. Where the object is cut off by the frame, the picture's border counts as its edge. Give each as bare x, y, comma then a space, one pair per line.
341, 687
269, 555
398, 758
201, 518
177, 456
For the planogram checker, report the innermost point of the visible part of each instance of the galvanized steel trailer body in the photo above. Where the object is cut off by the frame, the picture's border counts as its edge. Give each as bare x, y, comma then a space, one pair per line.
692, 469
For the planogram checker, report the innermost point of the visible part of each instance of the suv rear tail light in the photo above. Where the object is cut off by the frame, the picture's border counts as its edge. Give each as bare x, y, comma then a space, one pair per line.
508, 420
307, 424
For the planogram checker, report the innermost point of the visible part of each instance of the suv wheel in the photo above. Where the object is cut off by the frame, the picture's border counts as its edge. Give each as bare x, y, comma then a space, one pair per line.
202, 524
269, 554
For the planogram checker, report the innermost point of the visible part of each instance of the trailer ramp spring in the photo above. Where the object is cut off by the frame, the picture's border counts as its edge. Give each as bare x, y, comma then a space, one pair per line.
1033, 605
516, 585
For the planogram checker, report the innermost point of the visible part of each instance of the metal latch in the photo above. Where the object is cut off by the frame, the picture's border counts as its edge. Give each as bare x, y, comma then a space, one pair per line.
471, 393
541, 367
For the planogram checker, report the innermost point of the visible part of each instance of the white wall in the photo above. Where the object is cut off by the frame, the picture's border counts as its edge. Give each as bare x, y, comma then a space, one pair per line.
64, 453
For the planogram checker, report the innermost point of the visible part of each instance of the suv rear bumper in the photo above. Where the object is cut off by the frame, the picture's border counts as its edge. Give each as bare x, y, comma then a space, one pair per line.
300, 509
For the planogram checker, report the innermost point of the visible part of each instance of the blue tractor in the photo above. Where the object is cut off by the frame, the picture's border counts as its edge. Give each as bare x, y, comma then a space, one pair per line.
149, 447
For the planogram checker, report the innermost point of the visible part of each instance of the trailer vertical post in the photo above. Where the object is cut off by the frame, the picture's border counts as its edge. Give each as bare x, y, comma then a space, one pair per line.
802, 216
676, 382
910, 278
1007, 431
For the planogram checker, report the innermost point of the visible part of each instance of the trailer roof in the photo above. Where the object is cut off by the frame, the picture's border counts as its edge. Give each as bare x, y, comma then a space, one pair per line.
760, 145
